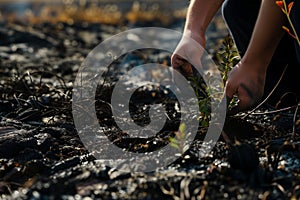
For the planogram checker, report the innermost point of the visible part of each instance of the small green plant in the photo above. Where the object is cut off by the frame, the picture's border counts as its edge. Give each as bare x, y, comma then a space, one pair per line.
227, 57
203, 96
179, 141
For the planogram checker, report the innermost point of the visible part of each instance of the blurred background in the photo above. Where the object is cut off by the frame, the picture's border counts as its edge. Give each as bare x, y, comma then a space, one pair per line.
118, 13
95, 11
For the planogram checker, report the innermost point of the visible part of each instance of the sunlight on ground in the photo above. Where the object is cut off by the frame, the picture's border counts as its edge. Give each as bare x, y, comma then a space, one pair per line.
107, 12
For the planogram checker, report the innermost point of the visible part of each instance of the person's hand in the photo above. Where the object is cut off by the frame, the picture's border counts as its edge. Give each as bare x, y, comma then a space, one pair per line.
187, 53
247, 83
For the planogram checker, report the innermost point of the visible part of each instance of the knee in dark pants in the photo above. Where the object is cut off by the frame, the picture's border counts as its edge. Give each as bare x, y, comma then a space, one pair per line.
240, 10
235, 9
227, 11
240, 17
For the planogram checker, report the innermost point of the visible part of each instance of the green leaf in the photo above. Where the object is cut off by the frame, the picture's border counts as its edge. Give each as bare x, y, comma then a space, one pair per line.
204, 123
182, 128
175, 145
173, 140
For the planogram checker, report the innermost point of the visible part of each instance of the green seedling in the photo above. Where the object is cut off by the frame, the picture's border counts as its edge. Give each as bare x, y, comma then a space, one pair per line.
179, 141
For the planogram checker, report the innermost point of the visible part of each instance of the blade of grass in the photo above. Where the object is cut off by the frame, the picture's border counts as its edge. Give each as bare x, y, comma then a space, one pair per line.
294, 122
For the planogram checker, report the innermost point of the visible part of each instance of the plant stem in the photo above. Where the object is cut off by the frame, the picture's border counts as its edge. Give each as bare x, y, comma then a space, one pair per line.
290, 22
294, 122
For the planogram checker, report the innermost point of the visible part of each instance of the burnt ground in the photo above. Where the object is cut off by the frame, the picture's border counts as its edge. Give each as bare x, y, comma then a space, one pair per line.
42, 156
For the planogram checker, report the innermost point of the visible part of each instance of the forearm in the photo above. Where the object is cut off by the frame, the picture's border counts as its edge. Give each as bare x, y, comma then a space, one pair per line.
266, 35
199, 15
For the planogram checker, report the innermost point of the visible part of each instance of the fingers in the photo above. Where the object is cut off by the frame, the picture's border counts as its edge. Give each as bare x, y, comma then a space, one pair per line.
188, 51
230, 90
242, 85
245, 95
246, 98
176, 61
246, 101
182, 65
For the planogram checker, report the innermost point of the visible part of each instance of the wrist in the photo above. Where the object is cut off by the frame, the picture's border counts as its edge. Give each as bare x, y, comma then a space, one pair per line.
258, 58
198, 36
259, 65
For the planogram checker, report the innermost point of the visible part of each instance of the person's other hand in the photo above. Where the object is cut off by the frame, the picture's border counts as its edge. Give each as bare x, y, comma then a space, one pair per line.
187, 53
247, 83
